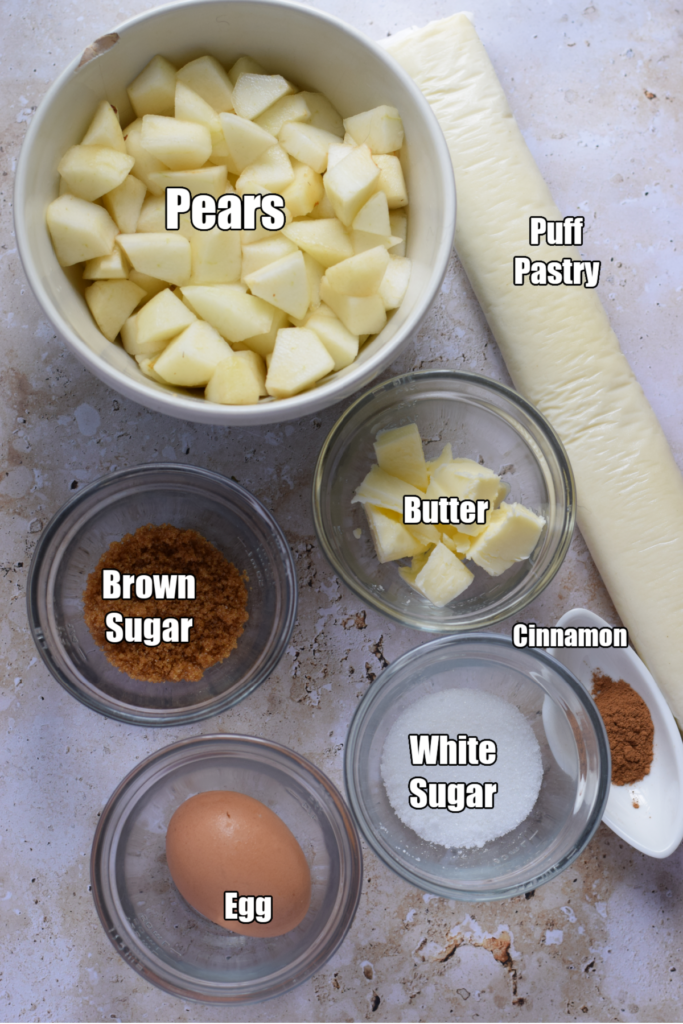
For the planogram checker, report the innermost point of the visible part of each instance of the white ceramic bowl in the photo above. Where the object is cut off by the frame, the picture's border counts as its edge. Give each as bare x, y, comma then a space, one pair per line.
317, 52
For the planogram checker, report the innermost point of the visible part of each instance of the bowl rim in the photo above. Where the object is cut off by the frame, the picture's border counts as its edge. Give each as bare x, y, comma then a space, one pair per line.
98, 867
199, 410
134, 714
467, 895
482, 620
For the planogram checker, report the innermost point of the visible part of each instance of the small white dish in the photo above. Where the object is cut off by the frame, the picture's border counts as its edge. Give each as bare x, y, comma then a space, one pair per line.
655, 826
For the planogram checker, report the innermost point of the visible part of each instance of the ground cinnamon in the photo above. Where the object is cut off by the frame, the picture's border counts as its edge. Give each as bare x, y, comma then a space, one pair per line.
218, 610
629, 728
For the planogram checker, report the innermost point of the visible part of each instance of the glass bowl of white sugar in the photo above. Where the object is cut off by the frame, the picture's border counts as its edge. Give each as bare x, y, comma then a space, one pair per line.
477, 770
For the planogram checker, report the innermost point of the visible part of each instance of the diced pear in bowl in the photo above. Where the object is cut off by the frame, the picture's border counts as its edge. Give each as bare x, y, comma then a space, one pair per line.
325, 240
124, 203
181, 145
395, 282
113, 267
90, 171
104, 129
260, 254
307, 143
209, 79
79, 230
337, 152
389, 535
111, 303
384, 490
190, 359
263, 344
364, 240
253, 94
246, 142
235, 315
323, 114
153, 91
216, 256
359, 275
298, 361
272, 171
211, 181
283, 283
359, 314
145, 163
159, 320
340, 343
391, 181
146, 364
351, 182
373, 217
288, 108
511, 535
152, 215
151, 285
245, 66
305, 190
237, 380
190, 106
399, 452
159, 254
380, 128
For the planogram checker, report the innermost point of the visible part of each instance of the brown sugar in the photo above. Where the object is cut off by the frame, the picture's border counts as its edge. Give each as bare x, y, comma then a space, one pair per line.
218, 609
629, 728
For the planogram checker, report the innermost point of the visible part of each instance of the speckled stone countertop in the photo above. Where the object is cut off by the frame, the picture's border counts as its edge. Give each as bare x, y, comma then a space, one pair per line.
597, 90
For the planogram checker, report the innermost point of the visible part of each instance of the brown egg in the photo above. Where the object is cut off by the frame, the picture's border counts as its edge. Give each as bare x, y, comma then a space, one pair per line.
220, 842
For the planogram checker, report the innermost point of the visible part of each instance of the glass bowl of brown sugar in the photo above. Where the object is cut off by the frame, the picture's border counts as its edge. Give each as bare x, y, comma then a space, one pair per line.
100, 520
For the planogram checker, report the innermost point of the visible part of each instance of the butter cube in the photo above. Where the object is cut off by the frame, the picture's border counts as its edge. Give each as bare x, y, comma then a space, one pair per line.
383, 489
511, 536
443, 577
399, 452
391, 538
465, 479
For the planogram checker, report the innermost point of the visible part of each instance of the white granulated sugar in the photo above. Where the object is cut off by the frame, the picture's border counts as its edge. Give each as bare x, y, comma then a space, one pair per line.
518, 769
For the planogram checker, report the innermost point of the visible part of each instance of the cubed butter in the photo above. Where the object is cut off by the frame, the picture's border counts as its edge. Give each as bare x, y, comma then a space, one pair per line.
391, 538
443, 577
511, 535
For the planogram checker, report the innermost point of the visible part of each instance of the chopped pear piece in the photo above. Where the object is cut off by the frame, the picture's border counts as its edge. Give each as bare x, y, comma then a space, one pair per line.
190, 106
153, 91
245, 66
111, 303
364, 240
340, 343
90, 171
151, 285
210, 80
191, 358
211, 181
79, 230
263, 344
322, 210
246, 142
235, 315
145, 164
391, 538
283, 283
325, 240
511, 535
146, 364
359, 314
216, 256
337, 152
361, 274
289, 108
113, 267
105, 129
124, 203
260, 254
381, 129
253, 94
443, 577
298, 361
399, 452
163, 255
373, 218
181, 145
152, 215
395, 282
307, 143
351, 182
391, 181
314, 275
305, 190
129, 333
382, 489
237, 380
159, 320
272, 172
323, 114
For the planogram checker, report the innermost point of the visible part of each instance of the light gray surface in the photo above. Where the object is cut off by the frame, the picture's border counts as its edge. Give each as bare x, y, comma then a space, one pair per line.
603, 941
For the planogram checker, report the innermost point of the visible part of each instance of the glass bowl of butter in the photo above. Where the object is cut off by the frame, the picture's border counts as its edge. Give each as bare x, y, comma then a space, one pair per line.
444, 500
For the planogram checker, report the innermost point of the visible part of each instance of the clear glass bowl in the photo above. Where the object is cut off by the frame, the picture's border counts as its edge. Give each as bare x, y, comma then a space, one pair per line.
484, 421
228, 516
574, 750
160, 935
